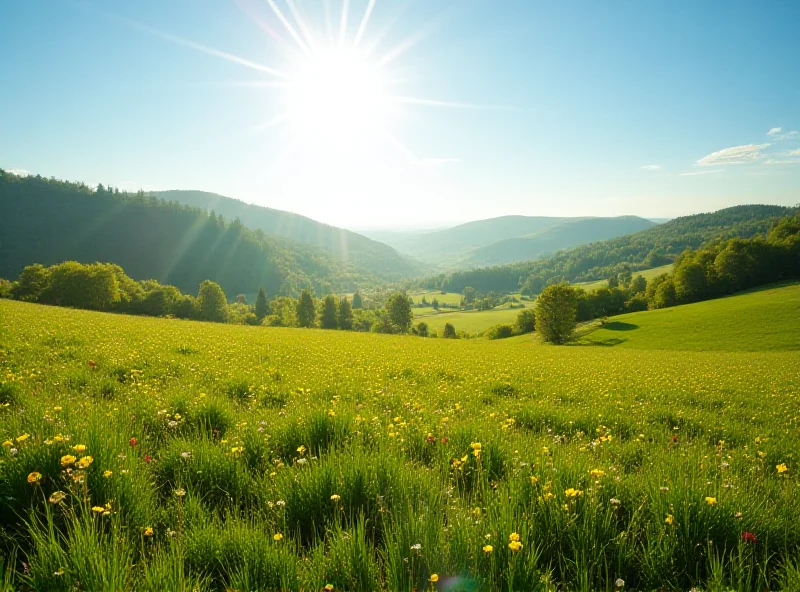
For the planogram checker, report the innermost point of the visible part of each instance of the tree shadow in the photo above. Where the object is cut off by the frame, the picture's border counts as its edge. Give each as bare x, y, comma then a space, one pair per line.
620, 326
610, 342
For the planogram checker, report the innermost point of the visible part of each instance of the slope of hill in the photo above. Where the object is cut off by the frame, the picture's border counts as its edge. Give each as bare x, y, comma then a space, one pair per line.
570, 233
649, 248
374, 257
765, 319
48, 221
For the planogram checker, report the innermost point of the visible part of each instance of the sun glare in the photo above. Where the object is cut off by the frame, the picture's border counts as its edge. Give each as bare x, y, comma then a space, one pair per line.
336, 95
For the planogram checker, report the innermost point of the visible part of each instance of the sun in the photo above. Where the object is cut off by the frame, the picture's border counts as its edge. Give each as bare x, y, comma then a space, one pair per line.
336, 95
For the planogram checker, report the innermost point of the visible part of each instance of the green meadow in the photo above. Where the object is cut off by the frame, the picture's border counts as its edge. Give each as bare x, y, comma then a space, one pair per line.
153, 454
647, 274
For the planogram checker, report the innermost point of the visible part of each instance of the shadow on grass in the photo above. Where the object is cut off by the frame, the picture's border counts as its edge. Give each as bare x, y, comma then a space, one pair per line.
610, 342
619, 326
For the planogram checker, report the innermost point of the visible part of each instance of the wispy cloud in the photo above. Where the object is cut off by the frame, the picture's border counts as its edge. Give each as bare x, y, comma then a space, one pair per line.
695, 173
777, 133
774, 131
782, 161
651, 167
794, 152
735, 155
437, 162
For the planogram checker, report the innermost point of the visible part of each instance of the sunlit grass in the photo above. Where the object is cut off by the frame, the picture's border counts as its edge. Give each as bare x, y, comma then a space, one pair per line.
257, 458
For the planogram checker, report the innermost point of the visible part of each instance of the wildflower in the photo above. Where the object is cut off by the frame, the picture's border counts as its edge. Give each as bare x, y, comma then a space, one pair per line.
34, 477
22, 438
597, 473
147, 458
336, 497
79, 448
67, 460
277, 536
280, 503
711, 501
620, 583
92, 364
328, 588
301, 450
7, 444
670, 519
614, 502
782, 468
571, 492
85, 462
13, 451
148, 531
749, 537
534, 480
107, 473
434, 578
59, 572
416, 547
132, 441
302, 461
98, 509
180, 492
513, 537
515, 546
57, 497
57, 408
185, 455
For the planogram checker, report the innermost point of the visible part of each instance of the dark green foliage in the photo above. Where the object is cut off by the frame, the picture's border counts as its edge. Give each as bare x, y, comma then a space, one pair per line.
306, 312
556, 309
357, 301
422, 329
345, 315
262, 307
49, 221
638, 285
31, 283
327, 317
499, 332
449, 332
211, 302
526, 322
399, 309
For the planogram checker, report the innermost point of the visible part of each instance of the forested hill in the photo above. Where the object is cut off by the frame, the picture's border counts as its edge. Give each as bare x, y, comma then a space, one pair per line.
372, 256
49, 221
572, 232
655, 246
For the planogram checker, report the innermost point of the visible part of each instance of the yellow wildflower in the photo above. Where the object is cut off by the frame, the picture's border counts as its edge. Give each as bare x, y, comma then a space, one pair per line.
277, 536
488, 549
513, 536
711, 501
107, 473
572, 492
22, 438
515, 546
782, 468
98, 509
534, 480
434, 578
67, 460
597, 473
148, 531
670, 519
336, 497
79, 448
85, 462
34, 477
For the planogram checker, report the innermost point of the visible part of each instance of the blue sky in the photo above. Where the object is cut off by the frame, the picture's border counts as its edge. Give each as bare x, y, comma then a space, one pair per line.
455, 111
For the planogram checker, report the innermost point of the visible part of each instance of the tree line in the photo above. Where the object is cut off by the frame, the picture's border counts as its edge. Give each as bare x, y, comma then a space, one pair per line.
719, 268
646, 249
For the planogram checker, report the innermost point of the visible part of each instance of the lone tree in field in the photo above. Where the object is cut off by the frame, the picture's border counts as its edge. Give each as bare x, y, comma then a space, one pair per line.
555, 311
212, 303
357, 301
345, 316
449, 332
306, 314
262, 308
327, 319
399, 308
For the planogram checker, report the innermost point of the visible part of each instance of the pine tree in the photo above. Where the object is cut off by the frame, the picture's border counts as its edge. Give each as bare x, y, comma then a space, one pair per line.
345, 319
262, 308
327, 319
306, 313
357, 302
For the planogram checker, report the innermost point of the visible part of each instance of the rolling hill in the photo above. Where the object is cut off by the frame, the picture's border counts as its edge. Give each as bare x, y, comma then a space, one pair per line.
772, 316
507, 239
646, 249
570, 233
355, 249
49, 221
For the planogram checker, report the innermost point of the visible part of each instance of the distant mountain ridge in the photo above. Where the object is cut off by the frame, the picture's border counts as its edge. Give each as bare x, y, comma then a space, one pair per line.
352, 248
508, 239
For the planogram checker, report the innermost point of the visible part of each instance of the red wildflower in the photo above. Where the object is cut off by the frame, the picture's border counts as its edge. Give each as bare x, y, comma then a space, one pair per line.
749, 537
675, 438
91, 364
133, 441
431, 439
444, 440
147, 458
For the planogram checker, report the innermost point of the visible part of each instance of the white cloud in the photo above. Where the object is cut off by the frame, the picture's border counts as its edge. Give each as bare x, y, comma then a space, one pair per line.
734, 155
18, 172
436, 162
700, 173
794, 152
651, 167
774, 131
782, 161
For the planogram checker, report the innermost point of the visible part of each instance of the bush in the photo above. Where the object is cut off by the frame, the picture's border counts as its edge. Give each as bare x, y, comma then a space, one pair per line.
449, 332
422, 329
499, 332
526, 322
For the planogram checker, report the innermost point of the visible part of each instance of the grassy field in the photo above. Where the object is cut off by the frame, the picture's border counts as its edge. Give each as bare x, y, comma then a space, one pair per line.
762, 320
149, 454
446, 298
647, 274
471, 321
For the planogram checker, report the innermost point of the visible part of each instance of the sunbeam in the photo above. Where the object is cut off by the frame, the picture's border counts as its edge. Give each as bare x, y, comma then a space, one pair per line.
364, 22
289, 27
